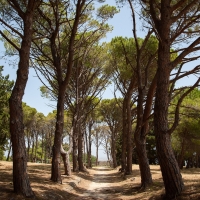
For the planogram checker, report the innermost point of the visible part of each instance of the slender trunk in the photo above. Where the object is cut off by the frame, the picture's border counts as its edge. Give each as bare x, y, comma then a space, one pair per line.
146, 178
36, 145
90, 147
141, 131
107, 149
21, 182
90, 153
80, 149
113, 150
84, 150
86, 147
129, 139
32, 151
75, 146
42, 146
10, 148
97, 148
97, 155
28, 146
55, 170
181, 156
124, 137
75, 153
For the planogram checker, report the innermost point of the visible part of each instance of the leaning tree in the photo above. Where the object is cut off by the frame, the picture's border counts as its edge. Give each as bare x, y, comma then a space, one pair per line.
19, 35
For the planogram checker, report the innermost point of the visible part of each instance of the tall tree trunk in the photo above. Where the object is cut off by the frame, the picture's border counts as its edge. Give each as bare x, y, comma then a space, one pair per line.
55, 170
113, 150
75, 146
42, 154
36, 145
129, 134
170, 170
129, 138
124, 137
97, 148
141, 131
80, 148
21, 182
32, 151
107, 153
28, 146
89, 153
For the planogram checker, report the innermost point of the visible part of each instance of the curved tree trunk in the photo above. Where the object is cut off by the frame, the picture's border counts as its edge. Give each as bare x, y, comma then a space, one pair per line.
146, 178
21, 182
66, 162
141, 131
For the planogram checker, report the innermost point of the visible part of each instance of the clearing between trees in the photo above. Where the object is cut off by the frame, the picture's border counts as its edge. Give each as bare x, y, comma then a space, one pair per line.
100, 183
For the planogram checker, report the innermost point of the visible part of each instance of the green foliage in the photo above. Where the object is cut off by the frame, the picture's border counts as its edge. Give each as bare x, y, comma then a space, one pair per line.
1, 153
110, 111
120, 46
107, 11
186, 137
5, 91
122, 54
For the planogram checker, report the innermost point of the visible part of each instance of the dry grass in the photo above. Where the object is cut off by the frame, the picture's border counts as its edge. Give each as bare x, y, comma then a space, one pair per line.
99, 183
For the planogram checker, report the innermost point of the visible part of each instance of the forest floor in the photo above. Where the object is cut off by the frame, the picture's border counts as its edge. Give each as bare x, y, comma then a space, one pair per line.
100, 183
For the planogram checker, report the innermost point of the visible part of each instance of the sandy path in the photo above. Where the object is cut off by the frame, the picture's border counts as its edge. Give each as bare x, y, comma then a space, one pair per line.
100, 186
96, 184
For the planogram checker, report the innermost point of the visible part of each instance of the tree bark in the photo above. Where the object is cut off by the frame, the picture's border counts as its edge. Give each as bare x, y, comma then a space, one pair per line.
113, 150
21, 181
146, 178
142, 128
55, 170
124, 137
129, 137
75, 146
80, 149
66, 162
170, 170
89, 155
97, 148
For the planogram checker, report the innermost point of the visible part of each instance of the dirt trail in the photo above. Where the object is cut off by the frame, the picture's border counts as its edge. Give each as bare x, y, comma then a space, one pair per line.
102, 183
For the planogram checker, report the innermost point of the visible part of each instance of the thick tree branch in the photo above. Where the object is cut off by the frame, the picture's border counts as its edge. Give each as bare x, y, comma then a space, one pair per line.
176, 120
